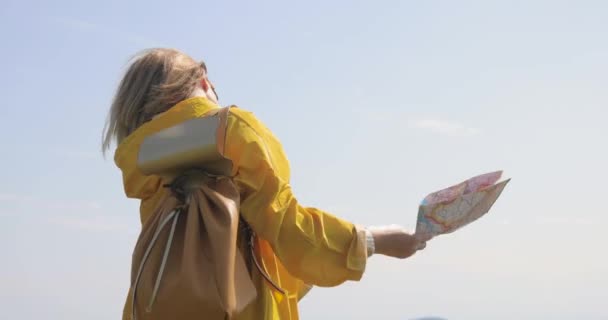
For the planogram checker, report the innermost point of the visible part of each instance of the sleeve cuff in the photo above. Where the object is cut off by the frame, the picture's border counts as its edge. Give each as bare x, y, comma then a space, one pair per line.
357, 254
369, 241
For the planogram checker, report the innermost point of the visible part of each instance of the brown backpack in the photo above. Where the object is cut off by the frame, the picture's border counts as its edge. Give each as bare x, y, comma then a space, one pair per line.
194, 254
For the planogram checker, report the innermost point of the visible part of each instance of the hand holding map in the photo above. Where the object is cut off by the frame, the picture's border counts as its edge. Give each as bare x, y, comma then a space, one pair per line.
449, 209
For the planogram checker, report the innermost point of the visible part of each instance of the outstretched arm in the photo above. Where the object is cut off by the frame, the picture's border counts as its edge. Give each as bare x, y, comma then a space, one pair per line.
314, 246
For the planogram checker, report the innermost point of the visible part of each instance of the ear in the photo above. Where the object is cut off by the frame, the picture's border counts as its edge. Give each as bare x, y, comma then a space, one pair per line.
205, 84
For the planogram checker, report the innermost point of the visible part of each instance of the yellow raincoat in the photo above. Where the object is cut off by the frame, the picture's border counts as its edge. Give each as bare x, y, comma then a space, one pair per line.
297, 245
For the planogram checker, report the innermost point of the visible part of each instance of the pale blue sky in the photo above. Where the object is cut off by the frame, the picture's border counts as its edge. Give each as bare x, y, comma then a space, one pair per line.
376, 102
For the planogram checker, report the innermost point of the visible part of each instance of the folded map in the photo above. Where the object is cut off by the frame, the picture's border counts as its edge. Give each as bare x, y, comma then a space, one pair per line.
449, 209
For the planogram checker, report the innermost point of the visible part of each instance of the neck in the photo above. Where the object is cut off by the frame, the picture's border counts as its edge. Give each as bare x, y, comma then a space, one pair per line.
198, 92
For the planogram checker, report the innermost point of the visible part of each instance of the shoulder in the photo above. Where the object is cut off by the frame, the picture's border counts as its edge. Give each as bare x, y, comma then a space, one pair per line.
246, 121
245, 127
243, 116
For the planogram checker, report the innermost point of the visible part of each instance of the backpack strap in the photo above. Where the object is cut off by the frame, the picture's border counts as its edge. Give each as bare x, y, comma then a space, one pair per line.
222, 128
251, 238
220, 135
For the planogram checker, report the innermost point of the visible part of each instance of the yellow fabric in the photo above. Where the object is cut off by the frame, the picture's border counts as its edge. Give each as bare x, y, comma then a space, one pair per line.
297, 244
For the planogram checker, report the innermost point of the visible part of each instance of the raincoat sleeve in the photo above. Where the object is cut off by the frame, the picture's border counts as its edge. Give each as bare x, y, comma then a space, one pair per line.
314, 246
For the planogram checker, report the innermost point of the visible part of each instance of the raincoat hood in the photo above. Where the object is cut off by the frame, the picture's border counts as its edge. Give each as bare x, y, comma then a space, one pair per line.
136, 184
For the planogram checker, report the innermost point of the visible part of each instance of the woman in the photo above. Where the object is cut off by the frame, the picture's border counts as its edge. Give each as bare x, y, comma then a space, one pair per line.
300, 246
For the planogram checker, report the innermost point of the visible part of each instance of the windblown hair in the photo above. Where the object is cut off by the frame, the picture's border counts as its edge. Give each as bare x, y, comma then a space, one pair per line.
156, 80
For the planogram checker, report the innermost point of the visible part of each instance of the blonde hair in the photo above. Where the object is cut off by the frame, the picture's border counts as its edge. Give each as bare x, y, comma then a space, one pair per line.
156, 80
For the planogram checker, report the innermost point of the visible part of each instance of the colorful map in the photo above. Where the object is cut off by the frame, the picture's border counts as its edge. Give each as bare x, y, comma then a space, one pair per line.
449, 209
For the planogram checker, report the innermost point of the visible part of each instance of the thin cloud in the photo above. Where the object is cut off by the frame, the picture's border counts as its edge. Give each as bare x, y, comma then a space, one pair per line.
74, 154
4, 213
75, 205
93, 223
78, 154
559, 220
13, 197
547, 221
90, 27
444, 127
8, 197
72, 214
76, 24
37, 203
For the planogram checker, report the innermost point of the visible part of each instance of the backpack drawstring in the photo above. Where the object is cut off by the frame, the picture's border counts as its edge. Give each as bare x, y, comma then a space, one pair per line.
172, 216
164, 260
